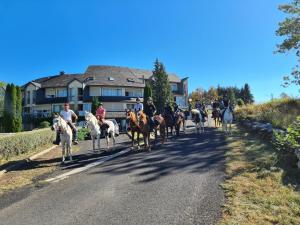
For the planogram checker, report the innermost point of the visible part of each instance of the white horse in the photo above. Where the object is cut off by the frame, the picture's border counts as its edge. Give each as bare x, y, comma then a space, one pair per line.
93, 126
227, 120
108, 128
199, 121
66, 135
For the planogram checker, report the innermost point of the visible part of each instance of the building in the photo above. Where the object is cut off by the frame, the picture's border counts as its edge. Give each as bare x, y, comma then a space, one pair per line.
117, 87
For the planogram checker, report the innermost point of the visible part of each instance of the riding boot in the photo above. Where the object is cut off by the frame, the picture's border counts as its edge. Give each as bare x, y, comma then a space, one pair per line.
57, 140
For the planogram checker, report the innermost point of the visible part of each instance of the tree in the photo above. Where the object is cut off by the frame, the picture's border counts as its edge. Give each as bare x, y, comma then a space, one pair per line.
95, 104
240, 102
13, 107
161, 86
284, 95
147, 92
246, 94
7, 118
212, 94
290, 30
18, 120
2, 94
231, 96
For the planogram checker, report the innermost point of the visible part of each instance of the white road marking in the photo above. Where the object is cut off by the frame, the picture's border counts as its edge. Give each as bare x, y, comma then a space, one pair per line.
86, 167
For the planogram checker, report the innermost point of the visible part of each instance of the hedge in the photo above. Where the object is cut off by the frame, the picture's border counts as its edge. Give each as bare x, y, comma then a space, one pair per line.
20, 143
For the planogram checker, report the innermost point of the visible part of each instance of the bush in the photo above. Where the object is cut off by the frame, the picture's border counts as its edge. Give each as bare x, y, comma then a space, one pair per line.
287, 143
44, 124
240, 102
83, 134
16, 144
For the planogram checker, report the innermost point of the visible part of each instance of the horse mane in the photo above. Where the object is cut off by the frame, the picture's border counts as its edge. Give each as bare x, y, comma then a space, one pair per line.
63, 123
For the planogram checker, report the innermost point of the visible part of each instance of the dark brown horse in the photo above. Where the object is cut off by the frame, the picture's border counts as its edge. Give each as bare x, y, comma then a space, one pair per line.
161, 127
216, 115
139, 125
170, 123
179, 121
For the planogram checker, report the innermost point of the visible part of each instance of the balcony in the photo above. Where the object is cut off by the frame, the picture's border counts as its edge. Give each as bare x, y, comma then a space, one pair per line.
51, 100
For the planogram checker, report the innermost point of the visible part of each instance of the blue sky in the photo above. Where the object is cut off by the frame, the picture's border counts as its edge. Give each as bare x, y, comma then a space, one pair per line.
226, 42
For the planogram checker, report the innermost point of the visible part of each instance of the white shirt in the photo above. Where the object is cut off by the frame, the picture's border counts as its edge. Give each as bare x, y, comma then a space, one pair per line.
138, 107
67, 115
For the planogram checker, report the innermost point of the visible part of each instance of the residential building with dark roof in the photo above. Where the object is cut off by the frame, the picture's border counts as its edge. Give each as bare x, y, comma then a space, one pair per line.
116, 87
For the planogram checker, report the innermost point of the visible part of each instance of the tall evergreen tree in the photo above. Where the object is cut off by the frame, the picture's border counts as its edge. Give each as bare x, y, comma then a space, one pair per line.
7, 110
247, 95
161, 86
19, 110
147, 92
13, 107
95, 104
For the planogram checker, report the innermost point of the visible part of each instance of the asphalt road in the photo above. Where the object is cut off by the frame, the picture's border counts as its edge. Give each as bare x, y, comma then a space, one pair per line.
177, 183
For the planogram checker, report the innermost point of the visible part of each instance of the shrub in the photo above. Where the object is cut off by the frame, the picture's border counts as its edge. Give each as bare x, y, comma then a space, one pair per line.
83, 134
287, 143
240, 102
16, 144
44, 124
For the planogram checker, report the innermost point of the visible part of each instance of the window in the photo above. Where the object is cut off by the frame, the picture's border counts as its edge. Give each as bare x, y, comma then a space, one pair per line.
134, 93
50, 93
28, 97
72, 94
60, 93
87, 107
174, 87
80, 94
111, 92
57, 108
95, 91
114, 106
33, 96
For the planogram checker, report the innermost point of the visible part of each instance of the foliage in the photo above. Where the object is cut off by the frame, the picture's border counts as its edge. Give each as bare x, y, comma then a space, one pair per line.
279, 112
289, 28
23, 142
160, 86
95, 104
246, 95
240, 102
287, 143
18, 116
147, 92
44, 124
82, 134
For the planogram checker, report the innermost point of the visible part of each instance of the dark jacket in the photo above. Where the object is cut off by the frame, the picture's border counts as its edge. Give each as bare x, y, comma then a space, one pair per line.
150, 109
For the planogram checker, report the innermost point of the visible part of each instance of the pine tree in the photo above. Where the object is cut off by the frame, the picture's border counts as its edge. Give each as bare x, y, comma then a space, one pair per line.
95, 104
13, 108
7, 109
19, 110
247, 95
147, 93
161, 86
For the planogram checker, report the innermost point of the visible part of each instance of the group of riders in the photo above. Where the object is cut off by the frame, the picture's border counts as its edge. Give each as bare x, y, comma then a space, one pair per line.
149, 109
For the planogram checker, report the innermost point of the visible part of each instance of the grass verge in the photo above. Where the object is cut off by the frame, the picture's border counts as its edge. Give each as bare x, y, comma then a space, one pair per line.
254, 189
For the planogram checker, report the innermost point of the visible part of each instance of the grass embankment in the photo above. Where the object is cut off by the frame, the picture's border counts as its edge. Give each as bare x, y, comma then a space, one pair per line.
279, 112
258, 192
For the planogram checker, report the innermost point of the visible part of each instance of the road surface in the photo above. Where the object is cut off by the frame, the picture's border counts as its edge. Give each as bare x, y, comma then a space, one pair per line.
177, 183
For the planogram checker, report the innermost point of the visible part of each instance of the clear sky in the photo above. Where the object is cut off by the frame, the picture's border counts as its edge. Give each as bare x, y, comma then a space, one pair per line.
226, 42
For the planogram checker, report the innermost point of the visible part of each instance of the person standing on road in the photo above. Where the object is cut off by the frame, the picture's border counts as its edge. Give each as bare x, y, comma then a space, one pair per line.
68, 114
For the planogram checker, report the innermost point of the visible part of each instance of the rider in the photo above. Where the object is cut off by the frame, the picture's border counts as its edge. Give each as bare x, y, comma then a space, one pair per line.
100, 113
138, 107
226, 104
198, 105
150, 110
67, 114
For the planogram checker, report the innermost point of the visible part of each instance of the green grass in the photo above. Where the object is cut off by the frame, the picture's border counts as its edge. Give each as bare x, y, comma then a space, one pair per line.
279, 112
256, 190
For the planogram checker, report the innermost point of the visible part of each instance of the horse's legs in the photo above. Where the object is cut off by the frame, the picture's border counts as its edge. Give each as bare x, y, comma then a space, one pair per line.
138, 140
149, 142
93, 139
132, 139
70, 150
107, 141
98, 140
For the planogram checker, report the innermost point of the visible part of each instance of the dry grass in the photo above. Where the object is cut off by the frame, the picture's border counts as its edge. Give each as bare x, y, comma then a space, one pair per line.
30, 173
254, 189
279, 112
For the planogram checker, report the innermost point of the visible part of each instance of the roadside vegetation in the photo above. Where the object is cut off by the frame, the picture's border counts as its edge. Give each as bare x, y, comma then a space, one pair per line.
260, 188
279, 112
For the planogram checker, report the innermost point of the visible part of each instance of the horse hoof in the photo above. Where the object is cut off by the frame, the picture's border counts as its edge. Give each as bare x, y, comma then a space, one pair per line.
138, 148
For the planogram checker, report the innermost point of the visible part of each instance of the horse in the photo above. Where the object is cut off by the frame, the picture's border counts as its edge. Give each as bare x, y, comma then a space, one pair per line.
107, 128
199, 120
216, 115
93, 126
139, 124
161, 127
66, 135
227, 119
179, 121
170, 123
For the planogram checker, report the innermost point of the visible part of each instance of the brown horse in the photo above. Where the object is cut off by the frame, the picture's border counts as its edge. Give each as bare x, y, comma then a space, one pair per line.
161, 127
139, 124
216, 115
179, 121
170, 123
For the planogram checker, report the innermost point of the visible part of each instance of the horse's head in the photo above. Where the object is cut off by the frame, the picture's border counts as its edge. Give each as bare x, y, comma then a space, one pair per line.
56, 123
88, 116
143, 118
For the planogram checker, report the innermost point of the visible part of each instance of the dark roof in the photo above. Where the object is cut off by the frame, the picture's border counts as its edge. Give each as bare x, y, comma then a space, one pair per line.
112, 76
57, 80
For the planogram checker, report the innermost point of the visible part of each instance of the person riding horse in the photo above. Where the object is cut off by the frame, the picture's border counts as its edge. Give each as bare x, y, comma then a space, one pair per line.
101, 113
150, 111
169, 112
67, 114
138, 107
226, 104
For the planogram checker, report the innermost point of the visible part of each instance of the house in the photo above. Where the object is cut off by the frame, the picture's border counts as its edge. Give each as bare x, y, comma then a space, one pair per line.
117, 87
